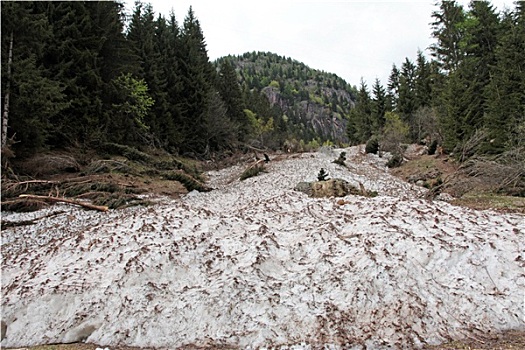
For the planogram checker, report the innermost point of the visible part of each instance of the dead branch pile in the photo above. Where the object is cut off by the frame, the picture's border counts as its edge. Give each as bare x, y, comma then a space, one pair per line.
253, 170
503, 173
188, 181
101, 194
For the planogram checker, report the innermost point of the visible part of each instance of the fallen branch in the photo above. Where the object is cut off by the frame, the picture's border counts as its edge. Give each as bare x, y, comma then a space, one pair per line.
65, 200
7, 224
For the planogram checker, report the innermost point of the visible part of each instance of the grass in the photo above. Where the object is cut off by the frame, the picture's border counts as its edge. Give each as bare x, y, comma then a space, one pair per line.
486, 200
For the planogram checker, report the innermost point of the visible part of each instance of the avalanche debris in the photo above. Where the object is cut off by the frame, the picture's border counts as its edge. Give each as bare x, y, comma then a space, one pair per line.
255, 264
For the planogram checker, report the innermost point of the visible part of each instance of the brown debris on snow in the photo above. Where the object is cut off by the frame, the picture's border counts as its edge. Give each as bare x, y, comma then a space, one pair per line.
255, 264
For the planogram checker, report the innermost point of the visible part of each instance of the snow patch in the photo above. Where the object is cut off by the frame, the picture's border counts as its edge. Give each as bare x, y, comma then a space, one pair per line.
255, 264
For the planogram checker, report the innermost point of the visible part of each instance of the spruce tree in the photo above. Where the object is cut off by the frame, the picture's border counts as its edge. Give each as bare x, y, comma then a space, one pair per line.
406, 104
393, 87
423, 82
231, 94
197, 79
505, 117
482, 29
447, 31
379, 106
361, 115
32, 96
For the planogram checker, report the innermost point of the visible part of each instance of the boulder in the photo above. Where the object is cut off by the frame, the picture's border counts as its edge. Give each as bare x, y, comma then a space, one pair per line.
328, 188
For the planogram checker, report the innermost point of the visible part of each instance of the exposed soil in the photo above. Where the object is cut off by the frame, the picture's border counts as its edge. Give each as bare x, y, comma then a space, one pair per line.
443, 174
511, 340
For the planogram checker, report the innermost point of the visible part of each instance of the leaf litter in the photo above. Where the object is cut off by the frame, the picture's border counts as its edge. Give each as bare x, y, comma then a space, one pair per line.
255, 264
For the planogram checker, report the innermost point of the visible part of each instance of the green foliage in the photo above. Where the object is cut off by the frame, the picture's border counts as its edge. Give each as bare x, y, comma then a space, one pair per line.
130, 107
372, 145
394, 133
252, 171
395, 161
274, 84
322, 175
341, 159
312, 145
79, 79
231, 94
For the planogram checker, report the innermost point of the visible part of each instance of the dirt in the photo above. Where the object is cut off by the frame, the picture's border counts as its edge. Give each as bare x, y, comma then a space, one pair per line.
431, 171
511, 340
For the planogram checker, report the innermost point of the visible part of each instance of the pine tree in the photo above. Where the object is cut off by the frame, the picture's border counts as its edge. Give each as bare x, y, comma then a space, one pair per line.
31, 94
231, 94
505, 116
197, 78
143, 39
361, 115
481, 29
84, 55
448, 33
423, 82
173, 61
379, 107
393, 87
406, 105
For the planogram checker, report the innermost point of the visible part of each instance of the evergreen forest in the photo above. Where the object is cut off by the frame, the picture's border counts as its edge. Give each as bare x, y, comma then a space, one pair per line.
469, 97
83, 74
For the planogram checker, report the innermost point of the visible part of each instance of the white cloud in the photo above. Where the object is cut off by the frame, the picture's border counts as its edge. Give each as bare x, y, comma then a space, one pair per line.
352, 39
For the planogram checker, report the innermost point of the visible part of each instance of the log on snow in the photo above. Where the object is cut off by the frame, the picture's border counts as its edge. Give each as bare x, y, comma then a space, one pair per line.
66, 200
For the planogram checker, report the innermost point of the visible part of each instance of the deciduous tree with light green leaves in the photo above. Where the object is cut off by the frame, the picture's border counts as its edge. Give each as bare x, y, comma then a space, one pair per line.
394, 133
130, 110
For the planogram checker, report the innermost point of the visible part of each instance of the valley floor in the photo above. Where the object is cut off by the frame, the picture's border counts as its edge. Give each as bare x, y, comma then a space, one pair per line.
255, 264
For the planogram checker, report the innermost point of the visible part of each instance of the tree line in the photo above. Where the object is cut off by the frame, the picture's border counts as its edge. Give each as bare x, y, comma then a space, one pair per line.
82, 74
473, 87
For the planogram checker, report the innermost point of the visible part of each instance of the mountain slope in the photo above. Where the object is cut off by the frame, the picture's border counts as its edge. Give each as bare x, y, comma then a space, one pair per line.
313, 103
256, 264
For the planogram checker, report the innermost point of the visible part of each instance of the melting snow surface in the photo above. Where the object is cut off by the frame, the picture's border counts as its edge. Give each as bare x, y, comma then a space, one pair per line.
254, 264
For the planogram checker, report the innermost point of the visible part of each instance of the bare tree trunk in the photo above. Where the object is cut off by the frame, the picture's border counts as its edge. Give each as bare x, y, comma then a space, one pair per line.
5, 115
65, 200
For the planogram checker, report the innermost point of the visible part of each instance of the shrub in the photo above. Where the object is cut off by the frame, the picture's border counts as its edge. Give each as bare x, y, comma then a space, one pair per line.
322, 176
395, 161
252, 171
341, 159
372, 146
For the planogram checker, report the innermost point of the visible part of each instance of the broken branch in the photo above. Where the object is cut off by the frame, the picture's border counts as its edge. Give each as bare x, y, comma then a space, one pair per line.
65, 200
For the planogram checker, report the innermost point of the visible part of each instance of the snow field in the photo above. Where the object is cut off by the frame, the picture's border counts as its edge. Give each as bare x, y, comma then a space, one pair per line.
254, 264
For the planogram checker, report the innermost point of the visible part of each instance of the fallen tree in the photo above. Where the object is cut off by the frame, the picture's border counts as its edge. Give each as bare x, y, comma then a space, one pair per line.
65, 200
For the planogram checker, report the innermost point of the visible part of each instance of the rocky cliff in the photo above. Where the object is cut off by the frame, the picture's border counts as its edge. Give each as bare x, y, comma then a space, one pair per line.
314, 103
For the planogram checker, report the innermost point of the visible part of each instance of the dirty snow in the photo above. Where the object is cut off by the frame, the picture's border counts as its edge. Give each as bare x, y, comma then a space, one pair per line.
254, 264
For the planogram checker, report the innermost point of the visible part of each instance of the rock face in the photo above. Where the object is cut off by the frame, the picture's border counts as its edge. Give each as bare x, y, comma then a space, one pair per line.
328, 188
314, 103
316, 117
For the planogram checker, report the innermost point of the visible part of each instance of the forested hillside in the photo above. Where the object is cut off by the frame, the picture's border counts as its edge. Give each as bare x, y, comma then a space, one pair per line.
470, 97
313, 105
80, 74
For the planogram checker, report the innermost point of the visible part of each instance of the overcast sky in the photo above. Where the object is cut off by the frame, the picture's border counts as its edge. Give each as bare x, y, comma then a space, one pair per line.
353, 39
